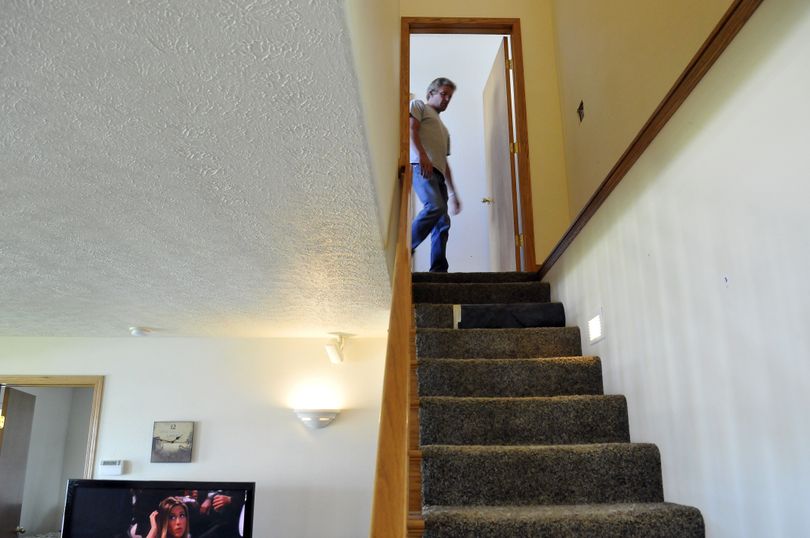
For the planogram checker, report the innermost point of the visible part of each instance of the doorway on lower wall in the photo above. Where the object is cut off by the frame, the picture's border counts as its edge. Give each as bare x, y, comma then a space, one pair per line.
487, 124
48, 436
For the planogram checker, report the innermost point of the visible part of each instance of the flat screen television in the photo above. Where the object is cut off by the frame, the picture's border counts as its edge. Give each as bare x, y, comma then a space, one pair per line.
130, 509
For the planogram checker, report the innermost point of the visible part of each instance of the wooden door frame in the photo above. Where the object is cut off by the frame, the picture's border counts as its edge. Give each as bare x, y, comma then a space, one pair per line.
96, 383
465, 25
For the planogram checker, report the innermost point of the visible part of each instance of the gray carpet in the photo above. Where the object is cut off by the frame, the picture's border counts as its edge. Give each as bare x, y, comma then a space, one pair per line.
517, 438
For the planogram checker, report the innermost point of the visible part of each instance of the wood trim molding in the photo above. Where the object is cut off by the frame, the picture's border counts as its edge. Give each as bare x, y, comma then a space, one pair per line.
458, 25
466, 25
389, 511
67, 381
524, 174
724, 32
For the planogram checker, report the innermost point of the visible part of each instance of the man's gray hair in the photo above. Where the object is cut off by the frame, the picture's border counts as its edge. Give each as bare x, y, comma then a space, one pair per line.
438, 83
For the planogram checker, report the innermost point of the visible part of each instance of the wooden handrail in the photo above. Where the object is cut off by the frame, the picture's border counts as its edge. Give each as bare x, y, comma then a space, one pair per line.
389, 510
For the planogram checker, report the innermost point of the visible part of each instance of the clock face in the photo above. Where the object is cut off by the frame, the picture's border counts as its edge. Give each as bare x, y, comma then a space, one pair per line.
172, 442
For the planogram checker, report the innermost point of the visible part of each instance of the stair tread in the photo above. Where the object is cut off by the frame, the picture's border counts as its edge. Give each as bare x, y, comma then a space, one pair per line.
511, 276
509, 377
500, 400
531, 342
588, 448
490, 315
515, 360
553, 510
614, 520
495, 331
481, 292
540, 420
541, 474
499, 305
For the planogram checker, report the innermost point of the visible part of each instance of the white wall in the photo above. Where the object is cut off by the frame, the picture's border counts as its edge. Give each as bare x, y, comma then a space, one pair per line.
374, 30
716, 371
41, 510
81, 407
56, 453
467, 61
239, 393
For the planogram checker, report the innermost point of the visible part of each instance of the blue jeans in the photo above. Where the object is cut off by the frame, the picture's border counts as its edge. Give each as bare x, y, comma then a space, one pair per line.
433, 219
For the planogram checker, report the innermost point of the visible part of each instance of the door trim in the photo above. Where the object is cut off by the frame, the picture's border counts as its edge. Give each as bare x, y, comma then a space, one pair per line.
464, 25
69, 381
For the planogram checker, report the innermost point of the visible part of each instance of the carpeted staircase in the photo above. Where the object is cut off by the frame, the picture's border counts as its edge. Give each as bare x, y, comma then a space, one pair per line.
516, 436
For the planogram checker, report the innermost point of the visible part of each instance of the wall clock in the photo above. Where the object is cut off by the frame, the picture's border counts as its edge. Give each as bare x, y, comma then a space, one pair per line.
172, 442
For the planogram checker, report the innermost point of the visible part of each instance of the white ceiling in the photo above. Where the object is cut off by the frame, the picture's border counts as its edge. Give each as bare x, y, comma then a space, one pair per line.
195, 166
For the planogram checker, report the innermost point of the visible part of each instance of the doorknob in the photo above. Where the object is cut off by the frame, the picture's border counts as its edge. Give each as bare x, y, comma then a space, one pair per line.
486, 200
19, 530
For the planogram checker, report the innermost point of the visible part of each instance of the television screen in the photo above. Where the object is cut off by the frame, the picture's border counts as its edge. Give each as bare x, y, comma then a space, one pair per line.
133, 509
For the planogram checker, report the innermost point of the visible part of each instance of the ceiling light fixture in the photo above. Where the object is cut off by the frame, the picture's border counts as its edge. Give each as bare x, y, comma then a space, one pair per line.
140, 331
335, 350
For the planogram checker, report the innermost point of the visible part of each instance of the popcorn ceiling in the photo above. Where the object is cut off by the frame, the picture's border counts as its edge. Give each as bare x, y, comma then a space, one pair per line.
195, 166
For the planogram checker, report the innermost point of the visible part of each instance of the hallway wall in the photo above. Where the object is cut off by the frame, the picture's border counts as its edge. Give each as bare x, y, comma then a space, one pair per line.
699, 260
374, 31
620, 59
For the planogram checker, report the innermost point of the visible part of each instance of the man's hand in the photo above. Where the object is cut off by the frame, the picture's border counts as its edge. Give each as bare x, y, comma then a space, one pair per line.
425, 165
454, 204
221, 501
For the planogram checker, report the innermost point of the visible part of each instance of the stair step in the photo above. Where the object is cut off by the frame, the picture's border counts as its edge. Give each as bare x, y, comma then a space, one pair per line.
558, 474
626, 520
509, 377
498, 343
529, 421
490, 316
433, 316
476, 277
515, 315
479, 293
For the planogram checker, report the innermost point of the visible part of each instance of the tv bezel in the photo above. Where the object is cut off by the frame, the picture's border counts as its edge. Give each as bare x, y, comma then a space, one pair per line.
74, 483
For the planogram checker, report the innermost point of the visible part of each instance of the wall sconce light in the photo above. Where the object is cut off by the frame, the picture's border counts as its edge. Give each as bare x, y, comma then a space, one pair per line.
335, 350
316, 419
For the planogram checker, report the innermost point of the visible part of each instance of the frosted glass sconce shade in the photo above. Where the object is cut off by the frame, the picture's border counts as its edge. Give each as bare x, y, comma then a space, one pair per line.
317, 418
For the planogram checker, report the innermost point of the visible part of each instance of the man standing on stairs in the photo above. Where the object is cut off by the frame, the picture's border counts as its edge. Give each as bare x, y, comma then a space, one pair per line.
432, 180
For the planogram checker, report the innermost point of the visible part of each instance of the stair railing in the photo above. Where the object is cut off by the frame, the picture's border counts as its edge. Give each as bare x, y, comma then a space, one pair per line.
389, 510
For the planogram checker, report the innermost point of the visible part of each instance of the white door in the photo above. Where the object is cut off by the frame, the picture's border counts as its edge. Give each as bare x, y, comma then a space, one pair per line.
504, 229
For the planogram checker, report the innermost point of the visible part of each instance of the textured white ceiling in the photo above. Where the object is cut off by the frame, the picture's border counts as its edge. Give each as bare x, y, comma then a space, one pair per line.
196, 166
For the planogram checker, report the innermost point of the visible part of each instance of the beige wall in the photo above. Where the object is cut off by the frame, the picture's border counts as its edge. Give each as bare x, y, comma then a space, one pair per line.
620, 58
699, 260
550, 197
239, 393
374, 30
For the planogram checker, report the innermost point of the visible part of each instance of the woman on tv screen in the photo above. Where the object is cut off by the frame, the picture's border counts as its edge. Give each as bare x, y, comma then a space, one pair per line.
170, 520
156, 509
